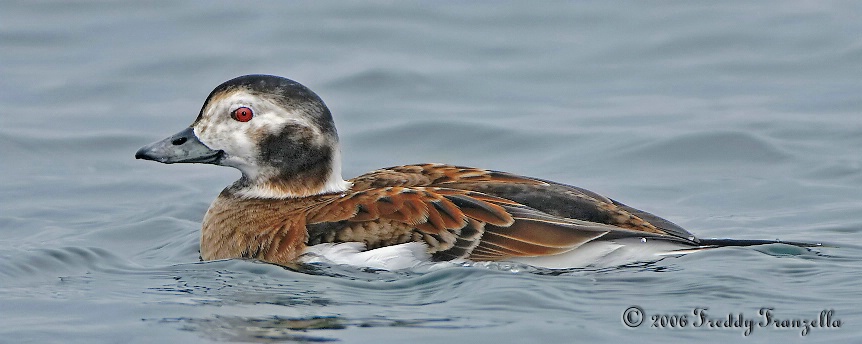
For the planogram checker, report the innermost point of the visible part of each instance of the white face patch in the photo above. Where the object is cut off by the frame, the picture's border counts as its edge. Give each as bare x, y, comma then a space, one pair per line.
241, 141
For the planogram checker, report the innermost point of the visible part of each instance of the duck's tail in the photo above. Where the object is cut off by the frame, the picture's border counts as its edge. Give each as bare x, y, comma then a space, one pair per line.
713, 242
708, 244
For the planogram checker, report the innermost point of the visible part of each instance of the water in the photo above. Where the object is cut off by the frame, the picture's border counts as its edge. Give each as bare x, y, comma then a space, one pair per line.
733, 119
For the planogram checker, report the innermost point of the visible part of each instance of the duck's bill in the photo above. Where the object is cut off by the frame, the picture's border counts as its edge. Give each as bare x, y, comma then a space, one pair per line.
183, 147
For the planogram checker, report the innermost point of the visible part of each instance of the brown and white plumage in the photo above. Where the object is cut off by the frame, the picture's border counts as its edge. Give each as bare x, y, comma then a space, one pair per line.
291, 195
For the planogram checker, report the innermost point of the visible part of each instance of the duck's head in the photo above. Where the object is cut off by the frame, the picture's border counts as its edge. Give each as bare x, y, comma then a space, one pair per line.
277, 132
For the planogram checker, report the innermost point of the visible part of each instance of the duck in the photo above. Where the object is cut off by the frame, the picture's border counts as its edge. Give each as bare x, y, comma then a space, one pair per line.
292, 205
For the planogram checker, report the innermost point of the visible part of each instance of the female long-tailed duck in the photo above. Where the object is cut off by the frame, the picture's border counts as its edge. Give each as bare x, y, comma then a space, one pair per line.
292, 205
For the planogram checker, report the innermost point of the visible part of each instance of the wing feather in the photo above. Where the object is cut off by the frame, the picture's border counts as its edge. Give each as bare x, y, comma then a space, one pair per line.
439, 217
557, 199
478, 214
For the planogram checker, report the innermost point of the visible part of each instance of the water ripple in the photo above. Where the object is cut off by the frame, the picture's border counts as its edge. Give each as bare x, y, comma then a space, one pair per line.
710, 147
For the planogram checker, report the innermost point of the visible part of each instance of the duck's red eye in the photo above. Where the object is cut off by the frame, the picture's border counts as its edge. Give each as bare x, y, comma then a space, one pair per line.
242, 114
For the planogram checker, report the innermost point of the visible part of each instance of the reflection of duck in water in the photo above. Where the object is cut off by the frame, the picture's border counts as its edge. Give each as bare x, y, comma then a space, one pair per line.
292, 200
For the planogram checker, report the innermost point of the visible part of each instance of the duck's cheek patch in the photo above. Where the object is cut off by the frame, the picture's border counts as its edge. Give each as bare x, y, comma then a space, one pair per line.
294, 153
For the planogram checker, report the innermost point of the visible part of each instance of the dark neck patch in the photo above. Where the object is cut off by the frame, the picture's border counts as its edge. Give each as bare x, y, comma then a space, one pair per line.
301, 162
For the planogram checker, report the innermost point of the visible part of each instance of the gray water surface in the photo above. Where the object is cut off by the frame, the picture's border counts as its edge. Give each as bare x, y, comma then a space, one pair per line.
732, 119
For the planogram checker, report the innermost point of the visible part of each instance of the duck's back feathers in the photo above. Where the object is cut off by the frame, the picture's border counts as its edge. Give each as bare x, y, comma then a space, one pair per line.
553, 198
445, 219
475, 214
